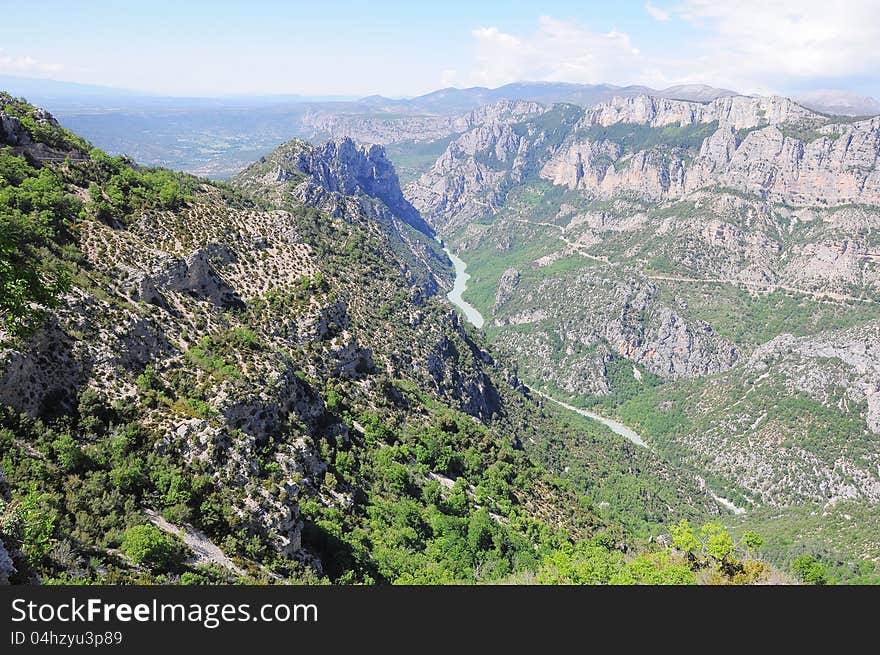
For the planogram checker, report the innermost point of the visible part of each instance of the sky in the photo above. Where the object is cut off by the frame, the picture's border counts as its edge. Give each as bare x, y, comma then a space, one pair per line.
399, 49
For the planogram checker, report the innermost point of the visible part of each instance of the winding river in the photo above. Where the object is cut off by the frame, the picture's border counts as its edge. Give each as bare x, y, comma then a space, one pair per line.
471, 314
459, 287
614, 426
628, 433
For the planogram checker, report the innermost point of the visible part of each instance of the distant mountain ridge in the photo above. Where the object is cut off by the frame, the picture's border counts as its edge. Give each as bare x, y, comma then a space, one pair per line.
837, 101
459, 100
208, 137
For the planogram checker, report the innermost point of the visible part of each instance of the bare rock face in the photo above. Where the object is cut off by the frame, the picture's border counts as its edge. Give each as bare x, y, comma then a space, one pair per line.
836, 167
194, 275
659, 338
788, 153
346, 168
736, 112
346, 179
858, 349
771, 147
472, 177
13, 132
506, 285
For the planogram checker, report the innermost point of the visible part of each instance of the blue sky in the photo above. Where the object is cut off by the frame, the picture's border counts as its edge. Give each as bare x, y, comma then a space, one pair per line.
408, 48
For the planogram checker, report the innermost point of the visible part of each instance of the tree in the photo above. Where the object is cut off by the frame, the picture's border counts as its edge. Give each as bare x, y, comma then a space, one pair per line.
147, 545
32, 213
718, 542
752, 541
683, 538
67, 452
809, 570
39, 523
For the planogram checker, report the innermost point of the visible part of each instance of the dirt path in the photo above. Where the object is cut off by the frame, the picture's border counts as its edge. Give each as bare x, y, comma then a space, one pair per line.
571, 244
204, 550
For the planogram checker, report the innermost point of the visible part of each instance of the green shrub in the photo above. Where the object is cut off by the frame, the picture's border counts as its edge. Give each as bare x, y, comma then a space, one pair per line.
149, 546
809, 570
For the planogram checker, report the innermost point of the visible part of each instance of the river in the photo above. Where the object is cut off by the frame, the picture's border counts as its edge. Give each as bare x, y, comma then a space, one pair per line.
459, 287
627, 433
472, 315
618, 428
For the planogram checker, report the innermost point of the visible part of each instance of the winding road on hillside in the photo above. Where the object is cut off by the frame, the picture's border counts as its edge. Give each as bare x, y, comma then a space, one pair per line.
767, 288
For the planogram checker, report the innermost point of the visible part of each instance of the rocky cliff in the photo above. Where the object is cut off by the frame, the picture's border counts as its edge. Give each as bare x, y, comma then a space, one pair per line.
472, 177
341, 178
264, 375
770, 147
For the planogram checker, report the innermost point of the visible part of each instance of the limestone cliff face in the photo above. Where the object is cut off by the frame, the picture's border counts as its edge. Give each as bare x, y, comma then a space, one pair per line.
471, 178
837, 167
345, 178
771, 147
737, 112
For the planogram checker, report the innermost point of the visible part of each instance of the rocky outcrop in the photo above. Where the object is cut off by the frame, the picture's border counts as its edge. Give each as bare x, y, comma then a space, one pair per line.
345, 179
771, 147
838, 166
13, 132
455, 365
345, 168
194, 275
584, 320
472, 177
799, 157
735, 112
506, 285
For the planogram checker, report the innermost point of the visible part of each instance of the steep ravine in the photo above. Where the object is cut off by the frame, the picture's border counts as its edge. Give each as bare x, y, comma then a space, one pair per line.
476, 319
459, 287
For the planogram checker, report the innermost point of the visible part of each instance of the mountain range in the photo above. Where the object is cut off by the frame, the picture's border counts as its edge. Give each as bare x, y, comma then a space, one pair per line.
705, 272
217, 137
261, 381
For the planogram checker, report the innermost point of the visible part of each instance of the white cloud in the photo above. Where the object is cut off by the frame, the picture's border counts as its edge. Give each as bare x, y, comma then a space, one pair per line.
796, 38
558, 51
26, 64
752, 46
448, 77
657, 13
